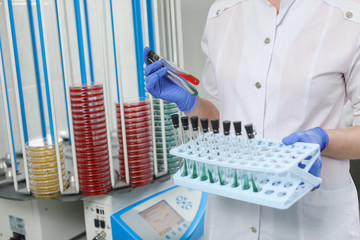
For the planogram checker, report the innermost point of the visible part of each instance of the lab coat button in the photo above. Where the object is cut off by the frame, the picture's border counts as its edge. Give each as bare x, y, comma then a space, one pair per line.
349, 14
267, 40
253, 229
218, 12
258, 85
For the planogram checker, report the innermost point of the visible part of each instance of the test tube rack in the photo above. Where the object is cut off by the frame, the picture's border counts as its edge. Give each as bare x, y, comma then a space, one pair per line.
260, 171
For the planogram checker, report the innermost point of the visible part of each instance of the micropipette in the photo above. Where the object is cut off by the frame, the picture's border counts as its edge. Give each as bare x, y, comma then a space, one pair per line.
175, 74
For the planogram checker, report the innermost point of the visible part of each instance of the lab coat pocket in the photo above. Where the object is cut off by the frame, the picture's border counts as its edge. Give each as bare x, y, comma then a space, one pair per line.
331, 214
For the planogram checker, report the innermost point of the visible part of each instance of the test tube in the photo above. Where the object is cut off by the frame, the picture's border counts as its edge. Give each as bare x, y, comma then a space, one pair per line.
238, 134
226, 142
215, 128
246, 184
194, 135
237, 127
250, 134
223, 174
186, 133
205, 128
206, 140
195, 127
213, 177
226, 126
186, 140
234, 178
179, 141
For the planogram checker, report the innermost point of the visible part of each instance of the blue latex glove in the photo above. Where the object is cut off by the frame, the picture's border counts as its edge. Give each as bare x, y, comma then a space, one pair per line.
314, 135
158, 85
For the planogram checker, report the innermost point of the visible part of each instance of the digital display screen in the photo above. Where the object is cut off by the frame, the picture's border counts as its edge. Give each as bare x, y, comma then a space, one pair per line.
161, 217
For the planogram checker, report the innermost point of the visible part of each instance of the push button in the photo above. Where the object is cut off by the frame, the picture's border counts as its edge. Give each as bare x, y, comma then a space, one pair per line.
97, 223
349, 15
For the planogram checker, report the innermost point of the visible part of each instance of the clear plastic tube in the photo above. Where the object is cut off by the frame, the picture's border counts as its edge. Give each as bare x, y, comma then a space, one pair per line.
178, 76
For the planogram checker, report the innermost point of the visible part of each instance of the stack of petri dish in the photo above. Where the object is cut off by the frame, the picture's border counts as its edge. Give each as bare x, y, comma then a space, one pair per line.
90, 137
43, 168
138, 142
172, 161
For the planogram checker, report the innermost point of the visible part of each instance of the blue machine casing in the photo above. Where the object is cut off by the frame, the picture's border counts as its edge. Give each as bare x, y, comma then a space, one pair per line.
121, 231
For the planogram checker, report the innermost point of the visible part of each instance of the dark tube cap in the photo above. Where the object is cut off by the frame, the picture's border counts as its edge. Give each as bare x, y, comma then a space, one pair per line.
249, 130
194, 122
185, 122
237, 126
152, 57
204, 125
226, 125
175, 120
215, 125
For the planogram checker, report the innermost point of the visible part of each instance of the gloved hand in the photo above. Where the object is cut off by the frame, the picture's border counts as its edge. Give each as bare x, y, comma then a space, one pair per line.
158, 85
314, 135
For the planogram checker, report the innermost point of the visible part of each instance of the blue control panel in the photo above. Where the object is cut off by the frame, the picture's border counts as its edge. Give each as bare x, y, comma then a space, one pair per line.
175, 213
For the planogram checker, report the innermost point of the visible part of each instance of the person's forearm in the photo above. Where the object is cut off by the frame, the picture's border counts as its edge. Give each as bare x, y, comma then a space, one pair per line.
204, 109
343, 143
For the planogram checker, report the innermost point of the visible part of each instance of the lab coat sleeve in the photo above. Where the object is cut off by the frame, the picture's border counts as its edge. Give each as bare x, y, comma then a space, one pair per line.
209, 75
352, 81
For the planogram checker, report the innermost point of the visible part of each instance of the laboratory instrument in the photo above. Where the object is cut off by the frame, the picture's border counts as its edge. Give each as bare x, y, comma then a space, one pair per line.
116, 215
260, 171
175, 213
40, 219
175, 74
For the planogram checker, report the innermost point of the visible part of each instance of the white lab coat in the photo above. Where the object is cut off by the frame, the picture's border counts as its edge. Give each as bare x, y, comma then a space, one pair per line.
285, 73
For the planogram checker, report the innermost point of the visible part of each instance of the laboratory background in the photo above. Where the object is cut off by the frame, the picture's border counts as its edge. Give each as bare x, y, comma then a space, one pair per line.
84, 149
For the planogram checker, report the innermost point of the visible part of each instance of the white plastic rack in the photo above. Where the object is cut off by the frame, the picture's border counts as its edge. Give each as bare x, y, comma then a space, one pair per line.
259, 171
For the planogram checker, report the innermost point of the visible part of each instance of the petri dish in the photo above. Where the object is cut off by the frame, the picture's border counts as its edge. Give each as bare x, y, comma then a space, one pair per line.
88, 117
94, 193
90, 134
138, 147
92, 165
135, 121
90, 144
95, 182
46, 176
97, 110
85, 87
92, 149
77, 107
90, 172
90, 139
